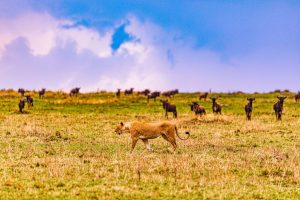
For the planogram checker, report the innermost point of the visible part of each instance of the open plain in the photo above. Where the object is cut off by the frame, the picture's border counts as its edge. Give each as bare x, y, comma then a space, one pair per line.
66, 148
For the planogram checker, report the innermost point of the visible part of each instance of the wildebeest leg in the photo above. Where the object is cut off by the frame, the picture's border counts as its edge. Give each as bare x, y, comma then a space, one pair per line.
279, 116
175, 114
166, 115
147, 145
134, 141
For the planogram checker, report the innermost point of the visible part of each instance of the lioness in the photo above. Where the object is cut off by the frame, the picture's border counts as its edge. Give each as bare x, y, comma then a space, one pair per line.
145, 131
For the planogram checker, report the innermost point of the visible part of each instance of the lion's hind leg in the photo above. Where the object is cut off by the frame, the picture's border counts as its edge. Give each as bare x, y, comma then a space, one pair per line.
171, 140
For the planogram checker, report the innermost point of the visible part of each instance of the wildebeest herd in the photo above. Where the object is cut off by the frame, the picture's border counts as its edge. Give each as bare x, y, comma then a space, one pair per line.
167, 106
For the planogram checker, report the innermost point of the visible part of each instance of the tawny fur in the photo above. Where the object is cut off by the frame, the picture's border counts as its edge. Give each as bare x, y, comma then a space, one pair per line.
144, 131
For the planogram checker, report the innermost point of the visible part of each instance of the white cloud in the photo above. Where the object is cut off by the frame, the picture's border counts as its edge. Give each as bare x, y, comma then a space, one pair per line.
43, 33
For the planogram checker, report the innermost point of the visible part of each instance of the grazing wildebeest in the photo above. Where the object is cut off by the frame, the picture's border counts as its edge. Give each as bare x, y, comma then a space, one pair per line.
169, 108
203, 96
170, 93
278, 107
29, 100
215, 106
173, 92
74, 91
199, 110
21, 105
166, 94
118, 93
248, 108
21, 91
42, 92
153, 95
297, 97
144, 92
129, 92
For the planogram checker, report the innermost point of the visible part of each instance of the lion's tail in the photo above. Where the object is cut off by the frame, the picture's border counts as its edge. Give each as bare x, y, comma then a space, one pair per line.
185, 133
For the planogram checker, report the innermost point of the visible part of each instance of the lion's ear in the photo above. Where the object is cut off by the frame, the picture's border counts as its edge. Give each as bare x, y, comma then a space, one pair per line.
122, 124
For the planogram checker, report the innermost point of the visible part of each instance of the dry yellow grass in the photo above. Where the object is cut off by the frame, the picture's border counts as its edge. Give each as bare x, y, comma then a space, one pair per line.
66, 148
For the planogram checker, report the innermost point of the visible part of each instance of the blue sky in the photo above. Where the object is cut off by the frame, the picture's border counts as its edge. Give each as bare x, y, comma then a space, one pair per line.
191, 45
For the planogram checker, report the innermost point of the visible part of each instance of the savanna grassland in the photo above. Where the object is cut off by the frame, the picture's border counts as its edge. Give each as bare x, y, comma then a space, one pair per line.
65, 148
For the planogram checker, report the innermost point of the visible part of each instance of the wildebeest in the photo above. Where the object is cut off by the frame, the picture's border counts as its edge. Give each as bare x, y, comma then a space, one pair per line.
144, 92
170, 93
21, 91
129, 92
29, 100
297, 97
203, 96
21, 105
278, 107
215, 106
42, 92
169, 108
74, 91
248, 108
118, 93
199, 110
153, 95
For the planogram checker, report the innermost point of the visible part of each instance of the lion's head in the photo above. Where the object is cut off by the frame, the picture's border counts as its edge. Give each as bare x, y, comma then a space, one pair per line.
121, 128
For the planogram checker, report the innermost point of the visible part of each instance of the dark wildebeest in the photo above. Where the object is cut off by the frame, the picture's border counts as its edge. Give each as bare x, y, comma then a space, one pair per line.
29, 100
215, 106
21, 91
153, 95
74, 91
248, 108
173, 92
21, 105
42, 92
199, 110
129, 92
170, 93
118, 93
278, 107
203, 96
297, 97
144, 92
169, 108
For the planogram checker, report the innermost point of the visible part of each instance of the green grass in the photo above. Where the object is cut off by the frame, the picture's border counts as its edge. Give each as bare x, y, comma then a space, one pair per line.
66, 148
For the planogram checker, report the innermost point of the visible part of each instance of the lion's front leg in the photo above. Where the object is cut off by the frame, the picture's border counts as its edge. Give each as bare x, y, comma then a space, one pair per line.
147, 145
134, 141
